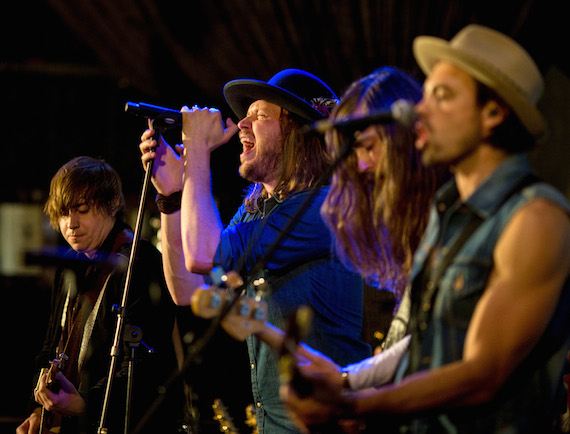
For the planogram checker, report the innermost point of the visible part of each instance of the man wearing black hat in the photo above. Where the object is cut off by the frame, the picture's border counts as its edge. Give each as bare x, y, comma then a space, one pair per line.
284, 167
490, 282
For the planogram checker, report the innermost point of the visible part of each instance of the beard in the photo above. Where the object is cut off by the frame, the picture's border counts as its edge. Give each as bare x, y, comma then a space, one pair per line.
450, 148
265, 167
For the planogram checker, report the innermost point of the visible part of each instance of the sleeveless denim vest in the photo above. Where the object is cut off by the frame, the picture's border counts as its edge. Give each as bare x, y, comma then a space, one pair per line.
528, 402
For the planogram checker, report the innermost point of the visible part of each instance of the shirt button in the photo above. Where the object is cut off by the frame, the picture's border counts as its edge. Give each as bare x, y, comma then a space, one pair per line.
430, 285
441, 207
426, 307
423, 326
258, 404
252, 366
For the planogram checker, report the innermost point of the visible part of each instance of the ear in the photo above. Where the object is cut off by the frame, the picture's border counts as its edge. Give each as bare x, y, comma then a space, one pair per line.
492, 115
115, 207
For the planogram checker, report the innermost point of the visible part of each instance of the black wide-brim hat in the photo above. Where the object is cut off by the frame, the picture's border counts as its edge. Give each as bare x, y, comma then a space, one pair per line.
295, 90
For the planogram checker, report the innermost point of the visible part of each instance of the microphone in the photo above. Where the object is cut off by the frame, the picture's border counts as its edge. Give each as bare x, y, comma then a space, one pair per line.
149, 111
401, 112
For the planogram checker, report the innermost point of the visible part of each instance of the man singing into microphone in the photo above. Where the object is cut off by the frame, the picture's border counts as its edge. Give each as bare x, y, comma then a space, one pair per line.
284, 167
490, 281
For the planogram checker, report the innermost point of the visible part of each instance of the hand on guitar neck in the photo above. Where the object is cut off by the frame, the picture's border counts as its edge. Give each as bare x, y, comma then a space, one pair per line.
248, 316
57, 396
321, 379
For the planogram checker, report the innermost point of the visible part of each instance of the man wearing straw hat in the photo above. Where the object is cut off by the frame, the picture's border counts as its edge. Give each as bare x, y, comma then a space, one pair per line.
489, 285
285, 168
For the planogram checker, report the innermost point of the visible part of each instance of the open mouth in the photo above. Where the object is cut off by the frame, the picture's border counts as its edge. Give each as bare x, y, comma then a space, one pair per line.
247, 144
421, 135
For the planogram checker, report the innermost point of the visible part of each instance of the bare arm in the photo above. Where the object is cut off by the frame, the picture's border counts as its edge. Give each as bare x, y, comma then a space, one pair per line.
203, 131
532, 261
167, 179
190, 236
181, 282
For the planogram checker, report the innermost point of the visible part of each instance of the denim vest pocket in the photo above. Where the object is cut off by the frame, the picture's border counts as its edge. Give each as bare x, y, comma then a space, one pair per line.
460, 289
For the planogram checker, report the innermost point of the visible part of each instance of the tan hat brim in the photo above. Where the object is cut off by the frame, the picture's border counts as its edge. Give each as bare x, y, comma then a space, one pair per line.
429, 50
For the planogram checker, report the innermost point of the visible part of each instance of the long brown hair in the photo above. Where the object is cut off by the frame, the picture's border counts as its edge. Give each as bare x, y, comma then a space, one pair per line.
378, 219
305, 159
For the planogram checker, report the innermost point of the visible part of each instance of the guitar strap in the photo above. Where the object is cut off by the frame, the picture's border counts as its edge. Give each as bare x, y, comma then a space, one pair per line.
88, 330
429, 292
466, 233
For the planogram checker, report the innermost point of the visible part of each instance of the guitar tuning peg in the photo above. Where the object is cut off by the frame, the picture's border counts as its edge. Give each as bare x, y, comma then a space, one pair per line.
232, 279
243, 308
217, 275
259, 314
215, 300
261, 287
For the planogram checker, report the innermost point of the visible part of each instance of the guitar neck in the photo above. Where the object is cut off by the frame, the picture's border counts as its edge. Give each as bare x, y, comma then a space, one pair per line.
272, 336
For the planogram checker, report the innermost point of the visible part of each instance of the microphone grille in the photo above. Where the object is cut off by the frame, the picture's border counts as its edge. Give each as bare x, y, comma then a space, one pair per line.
404, 112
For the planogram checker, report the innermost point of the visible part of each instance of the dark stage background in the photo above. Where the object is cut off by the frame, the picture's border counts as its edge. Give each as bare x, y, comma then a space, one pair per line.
67, 68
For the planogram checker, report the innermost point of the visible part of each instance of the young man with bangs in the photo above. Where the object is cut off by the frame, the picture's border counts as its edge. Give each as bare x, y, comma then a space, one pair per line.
87, 206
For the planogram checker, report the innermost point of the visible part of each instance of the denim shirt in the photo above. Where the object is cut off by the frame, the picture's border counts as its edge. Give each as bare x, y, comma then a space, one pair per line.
527, 403
301, 271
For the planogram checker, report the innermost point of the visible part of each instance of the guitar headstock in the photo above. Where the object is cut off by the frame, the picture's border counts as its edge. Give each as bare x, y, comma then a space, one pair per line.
246, 316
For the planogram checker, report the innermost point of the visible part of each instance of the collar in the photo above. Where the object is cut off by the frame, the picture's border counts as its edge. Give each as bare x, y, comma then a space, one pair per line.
267, 205
491, 193
114, 240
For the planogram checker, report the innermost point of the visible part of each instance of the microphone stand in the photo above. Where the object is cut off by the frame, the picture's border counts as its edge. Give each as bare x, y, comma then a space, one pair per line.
121, 310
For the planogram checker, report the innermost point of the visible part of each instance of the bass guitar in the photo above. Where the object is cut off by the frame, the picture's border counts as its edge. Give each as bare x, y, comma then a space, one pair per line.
51, 422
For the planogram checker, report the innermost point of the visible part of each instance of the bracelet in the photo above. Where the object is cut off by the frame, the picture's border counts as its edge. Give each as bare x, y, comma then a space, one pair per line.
169, 204
345, 382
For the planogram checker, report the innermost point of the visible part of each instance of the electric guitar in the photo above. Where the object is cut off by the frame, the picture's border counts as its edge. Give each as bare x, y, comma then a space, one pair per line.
248, 316
51, 422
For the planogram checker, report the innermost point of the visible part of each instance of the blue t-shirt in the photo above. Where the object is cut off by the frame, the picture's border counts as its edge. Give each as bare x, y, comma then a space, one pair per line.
302, 270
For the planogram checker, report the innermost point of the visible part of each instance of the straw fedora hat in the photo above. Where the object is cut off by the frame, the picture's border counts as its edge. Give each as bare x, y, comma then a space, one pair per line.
296, 90
495, 60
